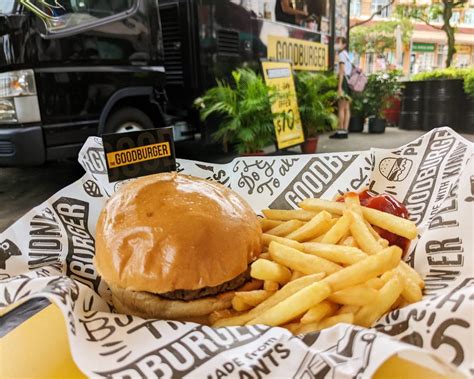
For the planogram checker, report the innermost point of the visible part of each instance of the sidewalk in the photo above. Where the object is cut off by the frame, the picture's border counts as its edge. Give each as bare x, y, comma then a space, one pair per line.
393, 137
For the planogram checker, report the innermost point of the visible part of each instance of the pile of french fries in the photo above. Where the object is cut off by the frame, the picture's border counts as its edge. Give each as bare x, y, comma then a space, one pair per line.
325, 264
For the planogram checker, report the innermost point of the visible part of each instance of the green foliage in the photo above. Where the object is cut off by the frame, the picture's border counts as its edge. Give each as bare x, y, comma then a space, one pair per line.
380, 88
420, 11
469, 83
243, 109
359, 104
317, 95
443, 73
378, 38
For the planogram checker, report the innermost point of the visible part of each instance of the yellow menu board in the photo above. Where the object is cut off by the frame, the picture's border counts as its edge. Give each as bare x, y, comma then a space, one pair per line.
286, 115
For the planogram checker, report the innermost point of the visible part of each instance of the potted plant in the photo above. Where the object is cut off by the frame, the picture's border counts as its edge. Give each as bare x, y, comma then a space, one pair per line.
243, 109
468, 120
358, 113
380, 88
317, 95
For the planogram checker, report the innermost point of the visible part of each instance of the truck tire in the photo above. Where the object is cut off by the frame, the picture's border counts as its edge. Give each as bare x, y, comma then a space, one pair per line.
128, 119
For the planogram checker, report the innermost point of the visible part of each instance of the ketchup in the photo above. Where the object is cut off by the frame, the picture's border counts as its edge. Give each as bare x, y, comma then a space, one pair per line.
388, 204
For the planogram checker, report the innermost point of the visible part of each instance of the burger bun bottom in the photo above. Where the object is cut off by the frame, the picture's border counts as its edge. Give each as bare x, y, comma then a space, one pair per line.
148, 305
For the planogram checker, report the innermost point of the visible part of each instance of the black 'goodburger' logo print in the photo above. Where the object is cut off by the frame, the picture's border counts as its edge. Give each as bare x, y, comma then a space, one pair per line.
395, 169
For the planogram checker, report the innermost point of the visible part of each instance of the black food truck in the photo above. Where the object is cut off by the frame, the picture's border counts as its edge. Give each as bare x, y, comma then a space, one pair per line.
70, 69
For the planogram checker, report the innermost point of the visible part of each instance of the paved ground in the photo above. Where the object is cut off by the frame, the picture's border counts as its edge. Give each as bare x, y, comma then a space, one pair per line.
23, 188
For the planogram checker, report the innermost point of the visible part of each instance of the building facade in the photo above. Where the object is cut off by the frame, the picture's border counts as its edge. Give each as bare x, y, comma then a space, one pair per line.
428, 47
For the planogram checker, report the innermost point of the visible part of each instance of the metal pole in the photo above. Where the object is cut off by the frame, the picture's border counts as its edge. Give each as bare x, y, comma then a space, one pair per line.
348, 22
333, 34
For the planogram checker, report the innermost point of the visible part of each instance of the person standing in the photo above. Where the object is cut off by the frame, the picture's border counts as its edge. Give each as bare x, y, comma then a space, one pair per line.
343, 71
284, 12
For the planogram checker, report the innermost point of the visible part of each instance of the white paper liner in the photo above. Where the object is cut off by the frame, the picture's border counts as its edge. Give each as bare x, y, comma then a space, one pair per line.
44, 254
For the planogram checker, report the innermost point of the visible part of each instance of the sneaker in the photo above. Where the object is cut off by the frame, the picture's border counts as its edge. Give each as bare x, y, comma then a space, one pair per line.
339, 134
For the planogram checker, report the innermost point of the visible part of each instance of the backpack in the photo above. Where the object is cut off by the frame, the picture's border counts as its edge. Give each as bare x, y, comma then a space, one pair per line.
357, 80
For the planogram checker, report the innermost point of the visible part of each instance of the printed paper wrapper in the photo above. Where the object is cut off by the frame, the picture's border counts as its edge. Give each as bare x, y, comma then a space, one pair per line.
48, 253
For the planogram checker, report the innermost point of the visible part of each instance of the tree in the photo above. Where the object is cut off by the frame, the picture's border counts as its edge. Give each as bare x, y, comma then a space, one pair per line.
376, 13
427, 13
378, 38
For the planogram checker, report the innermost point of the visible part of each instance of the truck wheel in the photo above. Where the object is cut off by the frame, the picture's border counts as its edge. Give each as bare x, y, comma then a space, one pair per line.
128, 120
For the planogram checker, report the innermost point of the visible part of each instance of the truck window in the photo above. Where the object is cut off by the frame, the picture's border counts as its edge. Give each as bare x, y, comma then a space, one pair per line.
6, 6
59, 15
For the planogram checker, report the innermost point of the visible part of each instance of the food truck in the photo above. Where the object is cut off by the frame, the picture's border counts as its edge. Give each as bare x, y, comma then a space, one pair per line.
70, 69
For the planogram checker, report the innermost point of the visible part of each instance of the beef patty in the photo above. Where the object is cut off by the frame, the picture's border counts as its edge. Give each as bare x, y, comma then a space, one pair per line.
232, 284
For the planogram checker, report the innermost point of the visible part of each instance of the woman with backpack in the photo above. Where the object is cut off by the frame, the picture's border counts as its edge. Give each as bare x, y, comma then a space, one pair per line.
343, 71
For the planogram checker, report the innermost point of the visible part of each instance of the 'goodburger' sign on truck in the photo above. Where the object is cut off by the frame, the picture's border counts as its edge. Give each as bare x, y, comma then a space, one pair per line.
304, 55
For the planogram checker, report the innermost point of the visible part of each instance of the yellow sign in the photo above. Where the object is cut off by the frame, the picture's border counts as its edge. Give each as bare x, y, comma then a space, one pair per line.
304, 55
138, 154
287, 121
463, 49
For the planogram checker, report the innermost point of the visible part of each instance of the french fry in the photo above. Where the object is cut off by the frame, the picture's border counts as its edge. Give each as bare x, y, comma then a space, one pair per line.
270, 285
292, 327
223, 313
286, 215
318, 312
387, 296
267, 238
265, 255
399, 303
372, 230
318, 225
293, 306
347, 318
335, 253
267, 270
296, 260
386, 276
317, 239
352, 202
326, 323
383, 242
394, 224
411, 291
338, 230
360, 272
306, 328
286, 291
364, 239
323, 205
267, 224
387, 221
285, 228
349, 241
239, 305
357, 295
348, 309
296, 275
254, 298
375, 283
412, 274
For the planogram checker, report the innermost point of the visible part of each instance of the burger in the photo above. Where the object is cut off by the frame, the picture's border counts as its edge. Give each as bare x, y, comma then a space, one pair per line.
172, 246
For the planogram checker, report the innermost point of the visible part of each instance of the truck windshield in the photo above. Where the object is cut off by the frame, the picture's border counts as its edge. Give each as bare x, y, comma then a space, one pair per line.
6, 6
64, 14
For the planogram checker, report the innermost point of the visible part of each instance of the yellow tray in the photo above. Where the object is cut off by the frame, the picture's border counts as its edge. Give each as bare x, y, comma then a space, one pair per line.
39, 348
